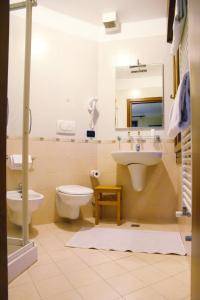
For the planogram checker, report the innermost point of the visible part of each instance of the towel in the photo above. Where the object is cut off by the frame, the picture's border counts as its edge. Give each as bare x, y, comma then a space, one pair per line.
15, 161
180, 115
174, 117
178, 25
184, 102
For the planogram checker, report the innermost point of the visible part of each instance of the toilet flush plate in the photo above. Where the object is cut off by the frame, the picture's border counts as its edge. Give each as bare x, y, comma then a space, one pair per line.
66, 127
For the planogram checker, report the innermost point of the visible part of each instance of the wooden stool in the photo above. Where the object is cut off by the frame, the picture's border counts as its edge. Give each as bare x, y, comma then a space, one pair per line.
101, 199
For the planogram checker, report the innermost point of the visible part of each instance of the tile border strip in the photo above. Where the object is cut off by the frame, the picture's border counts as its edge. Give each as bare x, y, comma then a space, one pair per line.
86, 141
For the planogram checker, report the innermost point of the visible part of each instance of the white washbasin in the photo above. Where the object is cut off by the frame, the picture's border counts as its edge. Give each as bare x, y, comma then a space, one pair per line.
140, 157
137, 163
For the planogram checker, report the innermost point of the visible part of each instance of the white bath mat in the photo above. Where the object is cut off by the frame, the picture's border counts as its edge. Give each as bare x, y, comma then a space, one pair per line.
164, 242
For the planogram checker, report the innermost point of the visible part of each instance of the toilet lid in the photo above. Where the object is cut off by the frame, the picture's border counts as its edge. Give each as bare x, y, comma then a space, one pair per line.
75, 190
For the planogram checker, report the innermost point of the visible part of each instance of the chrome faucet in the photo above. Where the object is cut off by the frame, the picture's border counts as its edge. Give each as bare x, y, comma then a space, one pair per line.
157, 138
131, 139
137, 147
119, 142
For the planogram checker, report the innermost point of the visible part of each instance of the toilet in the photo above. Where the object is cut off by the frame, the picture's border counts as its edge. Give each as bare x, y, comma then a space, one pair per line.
70, 198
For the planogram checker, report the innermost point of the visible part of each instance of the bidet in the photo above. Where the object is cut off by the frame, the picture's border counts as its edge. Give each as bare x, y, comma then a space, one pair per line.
14, 201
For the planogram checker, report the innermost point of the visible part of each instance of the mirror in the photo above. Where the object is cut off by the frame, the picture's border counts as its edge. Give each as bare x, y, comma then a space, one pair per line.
139, 96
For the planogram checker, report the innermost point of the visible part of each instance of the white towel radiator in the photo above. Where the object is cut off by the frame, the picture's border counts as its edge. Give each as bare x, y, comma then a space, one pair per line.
186, 136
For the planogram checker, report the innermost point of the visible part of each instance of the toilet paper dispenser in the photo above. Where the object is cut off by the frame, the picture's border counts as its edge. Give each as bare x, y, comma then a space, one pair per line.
95, 173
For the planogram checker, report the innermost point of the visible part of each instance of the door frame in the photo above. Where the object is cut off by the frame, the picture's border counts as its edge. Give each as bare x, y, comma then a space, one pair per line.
194, 56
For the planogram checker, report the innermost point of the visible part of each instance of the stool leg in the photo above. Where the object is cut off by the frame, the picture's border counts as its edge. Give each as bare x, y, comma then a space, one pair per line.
100, 206
96, 209
118, 208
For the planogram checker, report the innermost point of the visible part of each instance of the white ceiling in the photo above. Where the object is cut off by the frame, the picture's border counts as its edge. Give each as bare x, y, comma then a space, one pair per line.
91, 10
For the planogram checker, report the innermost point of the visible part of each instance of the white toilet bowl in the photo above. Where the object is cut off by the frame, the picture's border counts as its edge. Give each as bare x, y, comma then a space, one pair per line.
14, 201
70, 198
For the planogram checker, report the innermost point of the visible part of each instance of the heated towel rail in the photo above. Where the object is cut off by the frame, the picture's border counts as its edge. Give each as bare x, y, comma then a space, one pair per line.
187, 170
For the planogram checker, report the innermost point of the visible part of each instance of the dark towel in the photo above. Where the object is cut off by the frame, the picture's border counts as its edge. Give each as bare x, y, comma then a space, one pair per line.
185, 102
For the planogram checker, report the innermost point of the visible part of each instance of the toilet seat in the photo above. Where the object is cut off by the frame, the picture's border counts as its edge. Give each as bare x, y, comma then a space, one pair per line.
74, 190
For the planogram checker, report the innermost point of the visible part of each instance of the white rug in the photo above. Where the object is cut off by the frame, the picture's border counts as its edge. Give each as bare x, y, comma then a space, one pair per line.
164, 242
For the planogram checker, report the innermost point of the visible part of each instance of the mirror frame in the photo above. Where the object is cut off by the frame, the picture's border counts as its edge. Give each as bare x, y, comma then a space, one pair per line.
130, 102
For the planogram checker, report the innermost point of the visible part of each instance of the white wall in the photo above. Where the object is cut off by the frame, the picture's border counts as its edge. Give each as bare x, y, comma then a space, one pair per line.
63, 78
67, 69
111, 54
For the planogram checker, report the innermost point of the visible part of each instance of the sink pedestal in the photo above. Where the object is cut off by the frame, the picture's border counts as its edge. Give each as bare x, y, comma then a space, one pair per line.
137, 163
138, 176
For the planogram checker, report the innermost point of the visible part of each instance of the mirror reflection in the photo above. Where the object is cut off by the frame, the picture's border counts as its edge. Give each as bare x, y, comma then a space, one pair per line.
139, 96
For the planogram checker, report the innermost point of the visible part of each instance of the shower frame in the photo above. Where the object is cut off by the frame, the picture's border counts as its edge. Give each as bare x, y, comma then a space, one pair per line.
21, 259
4, 38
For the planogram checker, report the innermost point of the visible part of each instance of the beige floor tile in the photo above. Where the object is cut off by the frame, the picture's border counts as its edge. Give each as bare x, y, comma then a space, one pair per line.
38, 273
72, 295
95, 258
151, 258
57, 255
42, 229
184, 277
52, 286
130, 263
84, 253
116, 254
43, 259
51, 243
172, 289
44, 235
98, 291
64, 236
24, 278
180, 259
125, 283
170, 267
41, 250
24, 292
109, 269
162, 227
69, 265
149, 274
144, 294
82, 277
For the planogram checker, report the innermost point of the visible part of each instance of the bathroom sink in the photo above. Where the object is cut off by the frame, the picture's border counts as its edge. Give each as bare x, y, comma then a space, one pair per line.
140, 157
137, 163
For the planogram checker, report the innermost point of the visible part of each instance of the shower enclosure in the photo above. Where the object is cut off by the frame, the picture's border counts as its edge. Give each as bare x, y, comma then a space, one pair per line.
21, 251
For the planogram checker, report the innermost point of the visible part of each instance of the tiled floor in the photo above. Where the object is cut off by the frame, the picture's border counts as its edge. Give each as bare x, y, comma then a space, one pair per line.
63, 273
